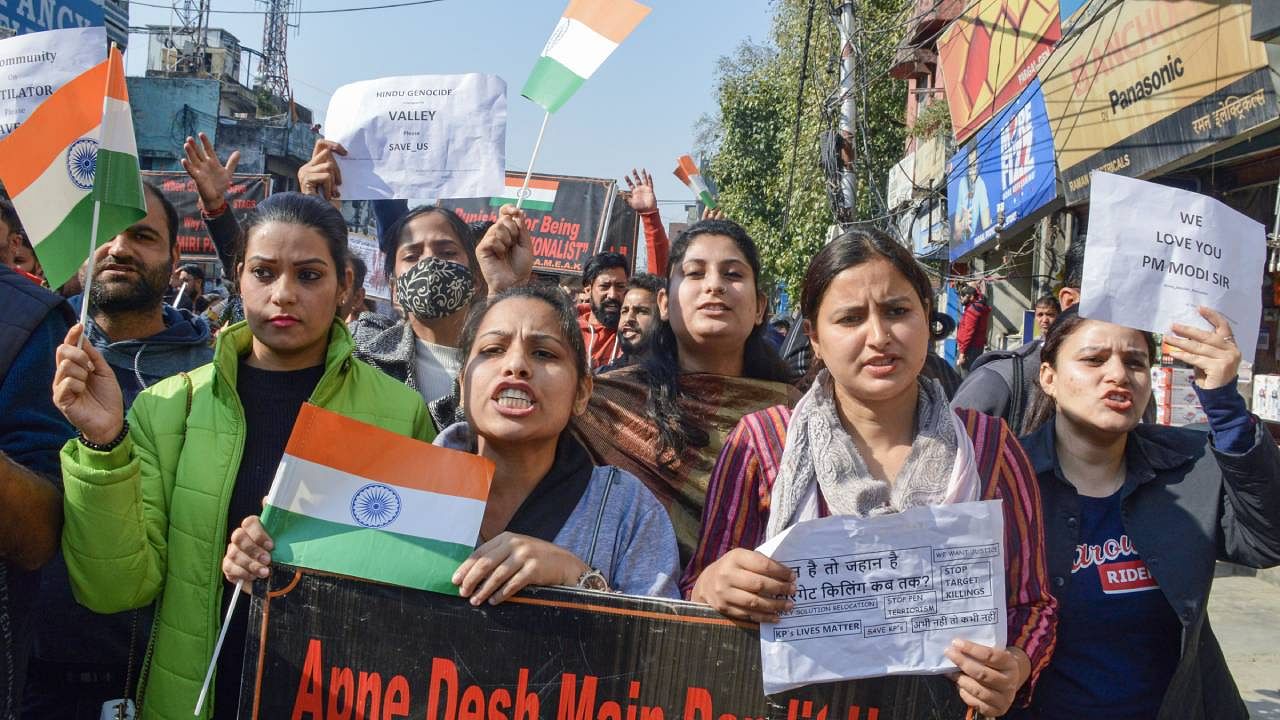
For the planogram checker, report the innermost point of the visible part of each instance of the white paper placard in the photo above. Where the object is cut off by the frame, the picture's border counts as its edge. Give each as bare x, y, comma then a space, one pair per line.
34, 65
1155, 254
421, 136
886, 595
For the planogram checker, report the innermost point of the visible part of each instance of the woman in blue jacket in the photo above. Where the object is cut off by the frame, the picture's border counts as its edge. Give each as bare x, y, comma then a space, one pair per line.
1136, 515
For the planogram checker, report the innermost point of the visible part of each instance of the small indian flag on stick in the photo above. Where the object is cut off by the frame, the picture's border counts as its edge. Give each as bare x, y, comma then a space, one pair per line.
587, 33
689, 174
540, 195
75, 149
377, 505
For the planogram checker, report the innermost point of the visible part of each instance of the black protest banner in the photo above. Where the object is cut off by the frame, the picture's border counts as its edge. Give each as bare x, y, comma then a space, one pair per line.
324, 647
568, 218
245, 193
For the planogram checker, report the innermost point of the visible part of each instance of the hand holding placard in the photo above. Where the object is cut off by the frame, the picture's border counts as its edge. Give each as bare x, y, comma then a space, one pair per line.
1156, 255
1214, 354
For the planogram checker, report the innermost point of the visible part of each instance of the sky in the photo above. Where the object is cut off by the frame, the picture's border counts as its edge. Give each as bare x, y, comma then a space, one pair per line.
638, 110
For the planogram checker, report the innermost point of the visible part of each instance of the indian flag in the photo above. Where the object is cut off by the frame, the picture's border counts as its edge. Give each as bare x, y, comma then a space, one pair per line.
540, 195
587, 33
75, 149
376, 505
689, 174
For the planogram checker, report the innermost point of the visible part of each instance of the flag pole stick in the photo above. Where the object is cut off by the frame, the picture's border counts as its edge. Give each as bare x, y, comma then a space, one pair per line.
85, 293
268, 502
529, 173
88, 273
217, 648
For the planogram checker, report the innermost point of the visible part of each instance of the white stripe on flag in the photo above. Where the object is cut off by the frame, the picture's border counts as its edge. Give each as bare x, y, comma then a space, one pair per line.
577, 47
326, 493
45, 203
117, 128
699, 185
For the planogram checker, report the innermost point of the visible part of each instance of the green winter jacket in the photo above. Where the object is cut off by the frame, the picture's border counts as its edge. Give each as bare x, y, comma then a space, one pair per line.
148, 519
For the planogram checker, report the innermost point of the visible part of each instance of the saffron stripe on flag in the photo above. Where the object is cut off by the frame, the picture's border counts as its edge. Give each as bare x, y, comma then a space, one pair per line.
378, 555
515, 183
73, 112
326, 493
384, 455
614, 20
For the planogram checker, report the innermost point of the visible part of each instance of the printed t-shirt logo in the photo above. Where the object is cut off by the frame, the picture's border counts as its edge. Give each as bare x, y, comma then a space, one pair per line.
1116, 574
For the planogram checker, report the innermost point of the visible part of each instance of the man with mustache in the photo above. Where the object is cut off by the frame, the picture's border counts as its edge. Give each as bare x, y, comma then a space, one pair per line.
605, 280
639, 319
81, 659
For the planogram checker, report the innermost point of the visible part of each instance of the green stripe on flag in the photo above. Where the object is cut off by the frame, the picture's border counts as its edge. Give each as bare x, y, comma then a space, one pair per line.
368, 553
528, 204
116, 181
551, 84
707, 199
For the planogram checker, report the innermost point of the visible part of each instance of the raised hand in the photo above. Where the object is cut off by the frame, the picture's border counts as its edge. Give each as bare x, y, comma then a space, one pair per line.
640, 189
712, 214
746, 585
508, 563
86, 391
1213, 353
212, 178
505, 253
321, 175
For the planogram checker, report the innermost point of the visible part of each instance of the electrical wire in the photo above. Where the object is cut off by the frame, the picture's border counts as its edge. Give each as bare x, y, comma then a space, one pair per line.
331, 11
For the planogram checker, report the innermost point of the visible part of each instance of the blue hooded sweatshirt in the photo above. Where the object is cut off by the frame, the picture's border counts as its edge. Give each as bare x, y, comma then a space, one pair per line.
182, 346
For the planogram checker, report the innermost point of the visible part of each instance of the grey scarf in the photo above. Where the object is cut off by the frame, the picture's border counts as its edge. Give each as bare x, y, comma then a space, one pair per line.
820, 456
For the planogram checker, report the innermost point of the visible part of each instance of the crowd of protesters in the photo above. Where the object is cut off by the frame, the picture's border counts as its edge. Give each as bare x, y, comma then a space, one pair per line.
647, 435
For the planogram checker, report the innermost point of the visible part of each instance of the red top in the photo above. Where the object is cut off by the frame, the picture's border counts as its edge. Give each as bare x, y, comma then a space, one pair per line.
973, 325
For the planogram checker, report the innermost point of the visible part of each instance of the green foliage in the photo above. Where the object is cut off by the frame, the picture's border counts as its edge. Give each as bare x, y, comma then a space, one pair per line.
749, 143
933, 120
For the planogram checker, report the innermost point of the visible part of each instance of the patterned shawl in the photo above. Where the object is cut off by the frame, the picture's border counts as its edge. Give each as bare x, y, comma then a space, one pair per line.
618, 430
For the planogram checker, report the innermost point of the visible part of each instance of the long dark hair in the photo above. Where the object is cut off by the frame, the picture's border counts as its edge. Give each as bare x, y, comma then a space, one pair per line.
660, 368
1043, 407
305, 210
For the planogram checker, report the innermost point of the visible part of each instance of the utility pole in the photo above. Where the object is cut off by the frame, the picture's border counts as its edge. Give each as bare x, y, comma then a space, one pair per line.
846, 18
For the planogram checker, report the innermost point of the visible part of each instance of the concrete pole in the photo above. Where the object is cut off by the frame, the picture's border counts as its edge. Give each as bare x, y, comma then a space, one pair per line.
846, 20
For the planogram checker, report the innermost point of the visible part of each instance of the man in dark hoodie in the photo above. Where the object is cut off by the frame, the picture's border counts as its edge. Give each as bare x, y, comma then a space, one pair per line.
82, 659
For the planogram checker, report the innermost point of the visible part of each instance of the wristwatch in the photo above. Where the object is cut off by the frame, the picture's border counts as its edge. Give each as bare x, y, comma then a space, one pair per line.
593, 580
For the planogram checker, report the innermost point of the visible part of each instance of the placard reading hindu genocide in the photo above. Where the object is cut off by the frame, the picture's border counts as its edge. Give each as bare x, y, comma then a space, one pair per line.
1155, 254
243, 196
420, 136
568, 217
323, 647
886, 595
33, 66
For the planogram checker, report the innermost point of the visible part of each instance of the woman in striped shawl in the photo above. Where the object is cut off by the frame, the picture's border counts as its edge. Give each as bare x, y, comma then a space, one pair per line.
871, 436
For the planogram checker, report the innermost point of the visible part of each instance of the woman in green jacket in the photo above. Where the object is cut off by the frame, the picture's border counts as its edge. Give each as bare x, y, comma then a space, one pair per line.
150, 501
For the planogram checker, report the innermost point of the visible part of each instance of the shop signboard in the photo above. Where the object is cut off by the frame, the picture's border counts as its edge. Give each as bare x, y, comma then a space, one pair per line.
990, 54
1148, 84
1003, 175
28, 16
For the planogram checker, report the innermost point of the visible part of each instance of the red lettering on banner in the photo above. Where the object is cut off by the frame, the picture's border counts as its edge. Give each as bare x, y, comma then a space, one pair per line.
397, 701
569, 694
308, 701
369, 686
1126, 577
342, 684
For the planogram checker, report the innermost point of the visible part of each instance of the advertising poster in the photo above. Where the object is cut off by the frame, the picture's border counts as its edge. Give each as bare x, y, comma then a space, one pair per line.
1003, 175
323, 646
31, 16
991, 53
569, 218
193, 239
1149, 83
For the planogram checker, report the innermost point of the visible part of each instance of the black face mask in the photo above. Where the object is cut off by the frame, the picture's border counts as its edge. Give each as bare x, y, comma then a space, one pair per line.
435, 288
